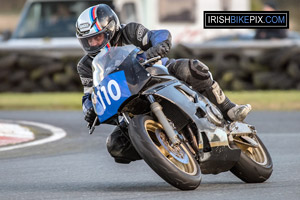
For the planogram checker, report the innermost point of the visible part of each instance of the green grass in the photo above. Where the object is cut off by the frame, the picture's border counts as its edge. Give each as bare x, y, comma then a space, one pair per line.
260, 100
268, 100
40, 101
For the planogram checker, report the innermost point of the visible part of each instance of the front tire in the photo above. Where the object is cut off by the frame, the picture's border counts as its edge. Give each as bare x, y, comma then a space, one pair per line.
176, 165
255, 164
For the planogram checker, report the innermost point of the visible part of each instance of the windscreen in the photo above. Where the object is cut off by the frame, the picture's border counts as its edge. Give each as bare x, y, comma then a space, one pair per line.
106, 62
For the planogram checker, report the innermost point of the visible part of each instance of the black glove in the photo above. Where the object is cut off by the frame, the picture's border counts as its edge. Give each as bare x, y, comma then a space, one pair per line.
160, 49
90, 116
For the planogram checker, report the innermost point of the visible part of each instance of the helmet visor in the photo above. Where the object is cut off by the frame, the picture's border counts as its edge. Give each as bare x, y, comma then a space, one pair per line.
94, 43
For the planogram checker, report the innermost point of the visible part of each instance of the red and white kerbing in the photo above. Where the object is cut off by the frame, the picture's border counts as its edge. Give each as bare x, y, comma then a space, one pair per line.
14, 134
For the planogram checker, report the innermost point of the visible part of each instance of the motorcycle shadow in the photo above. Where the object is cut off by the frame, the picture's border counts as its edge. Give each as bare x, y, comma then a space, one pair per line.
152, 186
121, 187
138, 186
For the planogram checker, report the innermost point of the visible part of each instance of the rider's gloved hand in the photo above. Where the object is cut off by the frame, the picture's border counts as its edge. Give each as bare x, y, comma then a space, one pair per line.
90, 116
88, 109
160, 49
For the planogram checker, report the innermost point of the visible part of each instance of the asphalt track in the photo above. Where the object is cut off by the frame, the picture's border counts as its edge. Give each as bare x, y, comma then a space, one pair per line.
79, 167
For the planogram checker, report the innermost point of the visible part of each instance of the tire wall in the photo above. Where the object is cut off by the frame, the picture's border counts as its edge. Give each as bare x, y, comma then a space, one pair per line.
234, 69
240, 69
28, 73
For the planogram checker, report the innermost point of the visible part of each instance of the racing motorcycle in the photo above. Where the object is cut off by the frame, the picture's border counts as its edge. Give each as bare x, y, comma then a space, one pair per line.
176, 130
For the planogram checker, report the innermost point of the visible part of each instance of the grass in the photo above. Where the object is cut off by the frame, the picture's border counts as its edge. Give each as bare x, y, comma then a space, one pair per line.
268, 100
40, 101
260, 100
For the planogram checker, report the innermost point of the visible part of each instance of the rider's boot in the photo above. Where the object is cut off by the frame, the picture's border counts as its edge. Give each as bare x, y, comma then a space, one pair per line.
230, 110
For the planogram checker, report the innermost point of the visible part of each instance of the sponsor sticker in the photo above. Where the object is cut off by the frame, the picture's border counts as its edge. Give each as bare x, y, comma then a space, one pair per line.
140, 32
84, 26
86, 81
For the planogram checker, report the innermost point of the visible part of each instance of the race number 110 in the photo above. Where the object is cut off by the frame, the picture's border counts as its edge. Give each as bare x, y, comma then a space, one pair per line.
108, 93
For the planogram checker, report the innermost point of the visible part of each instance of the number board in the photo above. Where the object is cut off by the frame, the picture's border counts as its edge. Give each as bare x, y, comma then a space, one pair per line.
111, 93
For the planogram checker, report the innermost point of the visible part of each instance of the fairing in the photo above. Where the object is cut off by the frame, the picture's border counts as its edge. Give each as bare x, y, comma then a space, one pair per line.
117, 76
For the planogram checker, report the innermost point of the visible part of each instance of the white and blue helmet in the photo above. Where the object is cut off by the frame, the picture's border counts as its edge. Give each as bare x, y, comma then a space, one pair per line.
94, 22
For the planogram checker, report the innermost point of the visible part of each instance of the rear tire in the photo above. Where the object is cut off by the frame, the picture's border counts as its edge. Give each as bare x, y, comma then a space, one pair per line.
255, 164
176, 165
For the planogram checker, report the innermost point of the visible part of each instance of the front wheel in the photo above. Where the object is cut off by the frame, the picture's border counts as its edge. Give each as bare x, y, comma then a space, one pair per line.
255, 164
175, 164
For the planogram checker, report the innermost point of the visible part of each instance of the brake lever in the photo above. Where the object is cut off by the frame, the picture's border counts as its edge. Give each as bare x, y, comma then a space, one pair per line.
151, 60
92, 128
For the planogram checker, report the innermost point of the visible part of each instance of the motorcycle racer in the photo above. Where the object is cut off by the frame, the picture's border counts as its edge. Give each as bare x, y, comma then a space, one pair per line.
98, 29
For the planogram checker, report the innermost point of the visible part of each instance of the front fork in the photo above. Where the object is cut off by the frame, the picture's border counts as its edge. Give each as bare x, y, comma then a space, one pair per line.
157, 110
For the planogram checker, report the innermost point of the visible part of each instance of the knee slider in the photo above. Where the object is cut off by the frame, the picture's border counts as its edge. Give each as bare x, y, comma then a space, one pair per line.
180, 69
120, 147
199, 70
115, 143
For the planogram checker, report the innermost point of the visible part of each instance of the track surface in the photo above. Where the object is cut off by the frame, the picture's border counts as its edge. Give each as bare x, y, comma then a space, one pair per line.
79, 167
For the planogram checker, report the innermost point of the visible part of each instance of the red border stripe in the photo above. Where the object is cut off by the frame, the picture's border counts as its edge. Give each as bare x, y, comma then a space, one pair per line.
94, 17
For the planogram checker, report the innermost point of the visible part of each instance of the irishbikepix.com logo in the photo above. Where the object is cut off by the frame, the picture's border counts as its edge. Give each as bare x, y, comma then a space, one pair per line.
246, 19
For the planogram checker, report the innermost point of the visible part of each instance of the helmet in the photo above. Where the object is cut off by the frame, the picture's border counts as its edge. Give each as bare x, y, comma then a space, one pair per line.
95, 27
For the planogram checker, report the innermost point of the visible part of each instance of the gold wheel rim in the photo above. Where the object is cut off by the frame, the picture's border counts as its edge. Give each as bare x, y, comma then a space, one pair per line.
257, 154
189, 168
